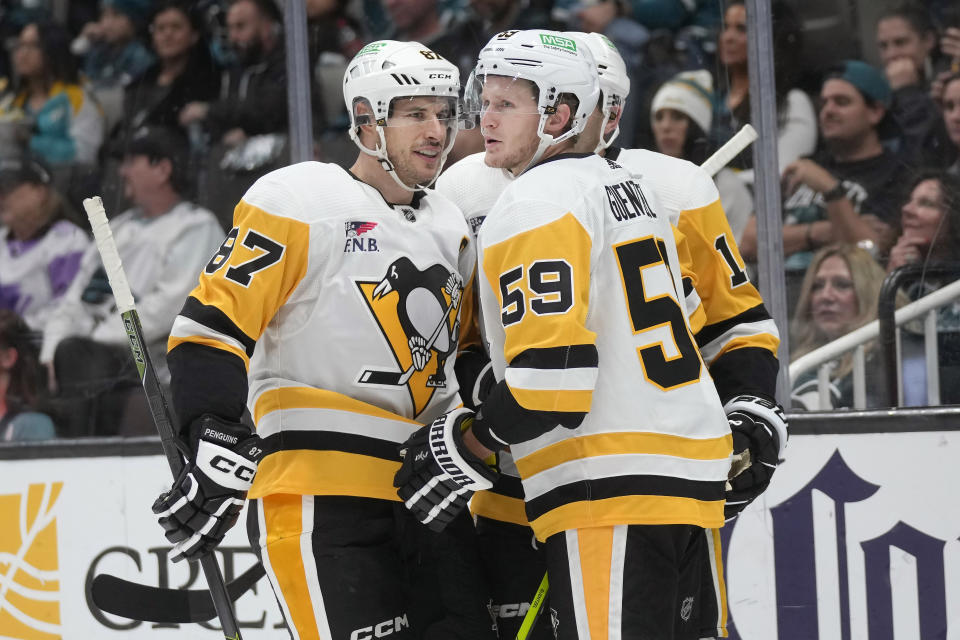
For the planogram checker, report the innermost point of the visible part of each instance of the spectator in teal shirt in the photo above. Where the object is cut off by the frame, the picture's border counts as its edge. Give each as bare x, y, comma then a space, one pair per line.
67, 123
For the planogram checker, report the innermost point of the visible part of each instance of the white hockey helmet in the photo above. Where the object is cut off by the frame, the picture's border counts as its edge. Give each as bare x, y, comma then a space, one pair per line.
554, 62
614, 80
387, 70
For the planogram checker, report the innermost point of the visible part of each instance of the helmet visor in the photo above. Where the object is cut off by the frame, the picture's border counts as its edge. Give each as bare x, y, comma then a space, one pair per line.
500, 96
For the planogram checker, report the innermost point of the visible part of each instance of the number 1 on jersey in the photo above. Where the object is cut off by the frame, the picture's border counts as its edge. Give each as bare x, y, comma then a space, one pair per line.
647, 313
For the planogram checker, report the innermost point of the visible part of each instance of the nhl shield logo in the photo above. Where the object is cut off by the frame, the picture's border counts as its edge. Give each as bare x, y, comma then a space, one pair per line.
686, 608
418, 312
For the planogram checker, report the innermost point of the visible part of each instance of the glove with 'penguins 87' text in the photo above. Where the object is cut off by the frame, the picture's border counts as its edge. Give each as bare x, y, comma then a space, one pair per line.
207, 497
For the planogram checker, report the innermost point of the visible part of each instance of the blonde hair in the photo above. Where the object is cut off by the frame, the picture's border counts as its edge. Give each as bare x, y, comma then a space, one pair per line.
867, 277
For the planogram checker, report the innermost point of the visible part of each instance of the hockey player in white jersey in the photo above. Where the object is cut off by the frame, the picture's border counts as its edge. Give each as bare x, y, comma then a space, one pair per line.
614, 424
739, 337
332, 312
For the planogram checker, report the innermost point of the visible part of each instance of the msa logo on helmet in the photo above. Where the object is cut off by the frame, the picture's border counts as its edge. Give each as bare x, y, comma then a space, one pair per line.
373, 47
381, 630
551, 40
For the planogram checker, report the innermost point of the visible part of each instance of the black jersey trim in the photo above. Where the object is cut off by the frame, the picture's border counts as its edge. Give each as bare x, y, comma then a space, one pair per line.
332, 441
612, 153
509, 486
623, 486
216, 319
576, 356
711, 332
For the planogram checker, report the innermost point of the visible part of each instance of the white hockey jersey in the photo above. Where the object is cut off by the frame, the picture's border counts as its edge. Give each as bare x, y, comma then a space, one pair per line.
581, 298
347, 312
34, 274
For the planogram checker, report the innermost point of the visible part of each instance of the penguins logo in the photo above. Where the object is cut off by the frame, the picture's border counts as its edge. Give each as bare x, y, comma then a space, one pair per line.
421, 323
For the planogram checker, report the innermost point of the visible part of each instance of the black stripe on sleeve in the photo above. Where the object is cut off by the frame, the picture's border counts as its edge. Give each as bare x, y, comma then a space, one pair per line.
210, 316
711, 332
574, 356
687, 287
619, 486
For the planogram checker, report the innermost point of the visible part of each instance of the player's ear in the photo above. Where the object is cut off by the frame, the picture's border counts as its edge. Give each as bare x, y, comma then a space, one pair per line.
363, 116
559, 120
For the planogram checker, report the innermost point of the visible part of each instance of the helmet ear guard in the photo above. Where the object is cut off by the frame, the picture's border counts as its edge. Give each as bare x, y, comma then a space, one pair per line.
385, 71
614, 81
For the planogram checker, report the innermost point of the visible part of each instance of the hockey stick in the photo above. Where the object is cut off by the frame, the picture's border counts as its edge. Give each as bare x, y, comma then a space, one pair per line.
740, 141
394, 378
152, 604
729, 150
151, 386
536, 607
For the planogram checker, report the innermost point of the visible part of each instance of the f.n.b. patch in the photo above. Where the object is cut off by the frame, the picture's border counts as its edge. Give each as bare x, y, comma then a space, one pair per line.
356, 242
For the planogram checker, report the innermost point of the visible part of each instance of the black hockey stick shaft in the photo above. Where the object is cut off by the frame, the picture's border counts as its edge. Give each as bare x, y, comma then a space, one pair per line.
151, 386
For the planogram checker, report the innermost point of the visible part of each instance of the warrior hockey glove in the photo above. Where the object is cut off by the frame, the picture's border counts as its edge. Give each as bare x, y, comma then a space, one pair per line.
439, 474
209, 493
760, 430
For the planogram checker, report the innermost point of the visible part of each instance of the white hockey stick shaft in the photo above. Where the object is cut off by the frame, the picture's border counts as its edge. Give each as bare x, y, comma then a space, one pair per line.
740, 141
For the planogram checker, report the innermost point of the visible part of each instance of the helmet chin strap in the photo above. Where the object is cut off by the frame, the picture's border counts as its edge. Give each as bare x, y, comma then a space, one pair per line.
546, 140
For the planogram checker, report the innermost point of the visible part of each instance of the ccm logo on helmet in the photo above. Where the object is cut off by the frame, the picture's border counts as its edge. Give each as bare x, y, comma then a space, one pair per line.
382, 630
229, 466
440, 76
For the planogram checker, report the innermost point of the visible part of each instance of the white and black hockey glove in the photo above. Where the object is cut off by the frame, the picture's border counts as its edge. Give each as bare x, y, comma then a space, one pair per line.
759, 436
207, 497
439, 474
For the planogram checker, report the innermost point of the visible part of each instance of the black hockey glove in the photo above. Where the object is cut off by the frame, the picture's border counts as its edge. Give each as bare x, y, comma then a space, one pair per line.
207, 497
439, 474
759, 435
475, 376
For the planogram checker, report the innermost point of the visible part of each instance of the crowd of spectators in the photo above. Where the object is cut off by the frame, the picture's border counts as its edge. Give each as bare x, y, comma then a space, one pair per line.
171, 108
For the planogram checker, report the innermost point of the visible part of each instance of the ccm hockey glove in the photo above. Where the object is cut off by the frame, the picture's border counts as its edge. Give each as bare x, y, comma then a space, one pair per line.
207, 497
439, 474
759, 436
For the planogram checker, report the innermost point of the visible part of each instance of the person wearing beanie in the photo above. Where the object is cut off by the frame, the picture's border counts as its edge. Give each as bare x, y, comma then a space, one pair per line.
680, 115
112, 51
849, 192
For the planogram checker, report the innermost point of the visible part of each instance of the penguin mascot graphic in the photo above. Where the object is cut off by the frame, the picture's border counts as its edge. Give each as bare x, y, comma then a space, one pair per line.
423, 312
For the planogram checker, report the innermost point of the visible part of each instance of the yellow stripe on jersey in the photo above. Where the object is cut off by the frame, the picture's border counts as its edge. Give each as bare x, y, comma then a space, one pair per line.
313, 398
551, 400
762, 340
623, 443
499, 507
255, 273
624, 510
175, 341
325, 473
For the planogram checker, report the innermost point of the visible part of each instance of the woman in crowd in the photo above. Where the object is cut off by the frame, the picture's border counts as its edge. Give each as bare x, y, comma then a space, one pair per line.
183, 72
21, 379
797, 120
680, 116
930, 234
67, 123
839, 294
40, 246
